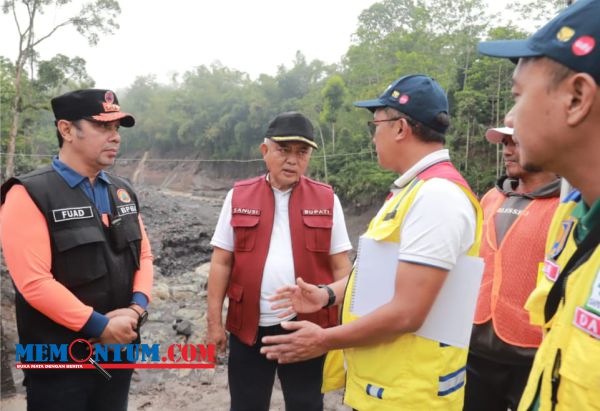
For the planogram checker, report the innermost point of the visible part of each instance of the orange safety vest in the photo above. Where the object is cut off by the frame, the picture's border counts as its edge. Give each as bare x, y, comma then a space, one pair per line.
511, 268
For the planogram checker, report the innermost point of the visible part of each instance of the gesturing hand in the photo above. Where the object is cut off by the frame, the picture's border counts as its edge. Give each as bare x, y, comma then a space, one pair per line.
300, 298
306, 342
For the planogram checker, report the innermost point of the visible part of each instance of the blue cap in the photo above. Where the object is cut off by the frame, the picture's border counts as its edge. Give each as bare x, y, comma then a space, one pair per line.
572, 38
418, 96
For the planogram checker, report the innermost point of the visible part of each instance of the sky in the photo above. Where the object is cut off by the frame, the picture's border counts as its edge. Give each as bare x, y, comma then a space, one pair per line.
163, 38
251, 36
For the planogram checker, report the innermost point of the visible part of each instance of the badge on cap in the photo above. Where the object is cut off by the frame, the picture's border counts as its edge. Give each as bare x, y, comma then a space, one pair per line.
109, 102
565, 33
583, 46
395, 94
403, 99
109, 97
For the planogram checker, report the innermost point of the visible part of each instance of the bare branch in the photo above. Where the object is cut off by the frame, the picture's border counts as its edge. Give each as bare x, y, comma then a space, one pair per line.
16, 19
64, 23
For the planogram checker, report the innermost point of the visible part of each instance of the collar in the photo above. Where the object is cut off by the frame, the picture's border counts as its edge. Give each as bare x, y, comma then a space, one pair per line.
289, 190
72, 177
507, 186
588, 218
424, 163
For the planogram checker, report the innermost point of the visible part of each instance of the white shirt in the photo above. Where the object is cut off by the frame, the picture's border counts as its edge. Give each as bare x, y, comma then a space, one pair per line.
440, 225
279, 266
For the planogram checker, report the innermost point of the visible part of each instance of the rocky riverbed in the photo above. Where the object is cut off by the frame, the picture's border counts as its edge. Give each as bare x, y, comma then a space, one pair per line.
180, 226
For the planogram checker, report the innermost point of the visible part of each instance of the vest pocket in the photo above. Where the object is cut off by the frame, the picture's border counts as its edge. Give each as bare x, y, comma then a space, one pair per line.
80, 258
580, 376
244, 229
317, 232
234, 313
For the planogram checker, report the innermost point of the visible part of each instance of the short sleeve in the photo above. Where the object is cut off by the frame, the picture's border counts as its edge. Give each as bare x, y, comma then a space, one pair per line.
439, 227
223, 236
339, 234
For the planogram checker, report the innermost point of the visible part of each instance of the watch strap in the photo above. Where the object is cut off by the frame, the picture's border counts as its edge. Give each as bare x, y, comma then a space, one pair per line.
331, 294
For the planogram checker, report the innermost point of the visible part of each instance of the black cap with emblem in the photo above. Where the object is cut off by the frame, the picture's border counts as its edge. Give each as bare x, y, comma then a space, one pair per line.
291, 126
90, 104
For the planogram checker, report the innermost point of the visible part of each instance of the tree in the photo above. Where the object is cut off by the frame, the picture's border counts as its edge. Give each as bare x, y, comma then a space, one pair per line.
93, 19
333, 94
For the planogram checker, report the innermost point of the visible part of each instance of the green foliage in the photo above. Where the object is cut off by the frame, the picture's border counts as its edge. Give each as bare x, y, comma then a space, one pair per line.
214, 112
333, 94
362, 182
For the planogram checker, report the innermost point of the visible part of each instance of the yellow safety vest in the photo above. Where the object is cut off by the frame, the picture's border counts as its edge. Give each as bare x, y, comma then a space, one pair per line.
411, 372
560, 239
568, 359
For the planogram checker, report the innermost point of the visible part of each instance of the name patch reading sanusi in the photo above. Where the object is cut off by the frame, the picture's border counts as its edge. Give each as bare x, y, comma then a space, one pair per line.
247, 211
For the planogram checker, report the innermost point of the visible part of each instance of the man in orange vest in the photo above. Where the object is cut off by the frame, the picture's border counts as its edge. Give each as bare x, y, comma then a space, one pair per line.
273, 229
517, 213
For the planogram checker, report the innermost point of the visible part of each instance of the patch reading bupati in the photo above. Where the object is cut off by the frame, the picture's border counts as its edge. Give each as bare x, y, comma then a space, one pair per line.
126, 209
73, 213
320, 211
246, 211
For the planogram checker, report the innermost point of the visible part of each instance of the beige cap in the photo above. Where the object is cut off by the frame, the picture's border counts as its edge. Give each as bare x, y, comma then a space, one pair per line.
496, 135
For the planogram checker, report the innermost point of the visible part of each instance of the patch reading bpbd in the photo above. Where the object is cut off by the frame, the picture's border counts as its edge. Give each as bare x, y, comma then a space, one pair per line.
126, 209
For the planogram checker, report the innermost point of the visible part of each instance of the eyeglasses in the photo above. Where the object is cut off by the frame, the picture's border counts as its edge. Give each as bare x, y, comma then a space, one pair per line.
286, 152
374, 123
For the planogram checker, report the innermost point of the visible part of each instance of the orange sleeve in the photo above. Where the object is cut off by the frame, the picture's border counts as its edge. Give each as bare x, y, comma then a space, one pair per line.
142, 280
26, 247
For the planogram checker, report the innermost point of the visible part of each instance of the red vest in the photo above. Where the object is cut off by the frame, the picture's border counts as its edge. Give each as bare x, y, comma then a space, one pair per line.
311, 219
511, 268
446, 170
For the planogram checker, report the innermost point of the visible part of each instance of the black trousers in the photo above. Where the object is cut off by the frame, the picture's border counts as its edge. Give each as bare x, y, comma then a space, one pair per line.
77, 390
251, 377
492, 386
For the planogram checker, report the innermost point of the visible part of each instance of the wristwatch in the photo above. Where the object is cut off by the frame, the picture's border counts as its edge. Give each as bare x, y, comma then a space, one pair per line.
331, 294
142, 316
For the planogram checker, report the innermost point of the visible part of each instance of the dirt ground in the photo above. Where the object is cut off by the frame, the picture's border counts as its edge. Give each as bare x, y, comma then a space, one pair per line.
180, 226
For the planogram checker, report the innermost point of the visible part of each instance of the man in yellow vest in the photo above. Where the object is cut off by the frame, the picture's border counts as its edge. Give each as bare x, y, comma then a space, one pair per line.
517, 213
556, 118
431, 219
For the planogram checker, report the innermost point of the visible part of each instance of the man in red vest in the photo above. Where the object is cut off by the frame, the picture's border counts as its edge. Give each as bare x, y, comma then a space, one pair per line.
273, 229
517, 214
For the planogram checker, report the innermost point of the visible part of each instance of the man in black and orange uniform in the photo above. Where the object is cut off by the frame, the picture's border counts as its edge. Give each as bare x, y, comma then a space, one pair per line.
517, 213
556, 117
272, 230
77, 252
